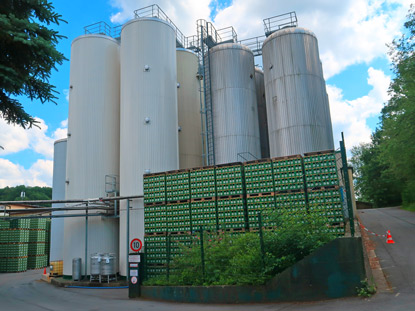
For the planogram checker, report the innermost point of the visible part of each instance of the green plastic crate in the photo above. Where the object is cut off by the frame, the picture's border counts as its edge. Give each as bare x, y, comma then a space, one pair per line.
231, 213
202, 183
154, 188
177, 185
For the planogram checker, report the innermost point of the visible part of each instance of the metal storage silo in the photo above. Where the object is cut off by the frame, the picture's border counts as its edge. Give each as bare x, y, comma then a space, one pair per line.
149, 125
188, 103
93, 142
234, 104
58, 193
262, 112
297, 103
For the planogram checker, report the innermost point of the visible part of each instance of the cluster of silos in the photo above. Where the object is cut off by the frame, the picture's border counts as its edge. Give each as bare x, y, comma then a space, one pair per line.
123, 121
297, 103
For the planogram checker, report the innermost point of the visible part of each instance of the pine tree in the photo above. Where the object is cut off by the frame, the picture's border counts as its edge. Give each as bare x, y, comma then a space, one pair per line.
27, 55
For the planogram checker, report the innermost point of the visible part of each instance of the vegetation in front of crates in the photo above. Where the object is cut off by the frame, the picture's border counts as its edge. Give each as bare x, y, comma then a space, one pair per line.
237, 259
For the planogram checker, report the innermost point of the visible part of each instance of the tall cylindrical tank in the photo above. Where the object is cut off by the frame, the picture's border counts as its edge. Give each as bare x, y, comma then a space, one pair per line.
58, 193
262, 112
149, 126
297, 104
234, 104
93, 142
188, 103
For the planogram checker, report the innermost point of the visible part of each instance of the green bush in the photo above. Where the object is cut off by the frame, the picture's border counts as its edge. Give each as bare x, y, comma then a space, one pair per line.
238, 259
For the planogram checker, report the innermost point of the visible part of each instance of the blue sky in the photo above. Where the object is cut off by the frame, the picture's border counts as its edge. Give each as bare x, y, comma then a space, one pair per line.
352, 38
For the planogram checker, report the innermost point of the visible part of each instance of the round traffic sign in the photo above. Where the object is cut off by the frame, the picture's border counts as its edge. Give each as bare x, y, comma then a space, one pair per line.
136, 245
134, 280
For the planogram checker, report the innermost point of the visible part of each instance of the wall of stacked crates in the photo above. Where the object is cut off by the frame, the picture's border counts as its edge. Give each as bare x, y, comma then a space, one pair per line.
24, 244
230, 196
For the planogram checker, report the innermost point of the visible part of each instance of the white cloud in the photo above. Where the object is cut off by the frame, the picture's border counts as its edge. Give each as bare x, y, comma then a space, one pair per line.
349, 32
350, 116
183, 13
15, 139
66, 93
39, 174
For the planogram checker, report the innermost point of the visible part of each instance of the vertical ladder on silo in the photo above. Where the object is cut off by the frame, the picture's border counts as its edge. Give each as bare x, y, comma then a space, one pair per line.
205, 40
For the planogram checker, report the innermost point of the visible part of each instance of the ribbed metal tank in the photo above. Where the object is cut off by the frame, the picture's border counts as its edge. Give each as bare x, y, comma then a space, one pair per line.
95, 262
93, 141
58, 193
108, 264
262, 112
149, 125
234, 104
188, 103
297, 103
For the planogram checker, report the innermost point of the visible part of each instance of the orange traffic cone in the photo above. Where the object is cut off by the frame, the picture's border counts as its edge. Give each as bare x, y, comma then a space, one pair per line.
44, 270
389, 238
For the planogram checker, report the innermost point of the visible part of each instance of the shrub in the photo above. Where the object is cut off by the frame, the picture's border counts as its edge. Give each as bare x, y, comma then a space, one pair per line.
238, 259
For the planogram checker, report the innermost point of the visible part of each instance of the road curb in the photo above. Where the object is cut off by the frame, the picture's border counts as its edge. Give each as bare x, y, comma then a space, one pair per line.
374, 270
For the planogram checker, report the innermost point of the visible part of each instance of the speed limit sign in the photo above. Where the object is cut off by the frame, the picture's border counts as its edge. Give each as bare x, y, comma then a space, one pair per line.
136, 245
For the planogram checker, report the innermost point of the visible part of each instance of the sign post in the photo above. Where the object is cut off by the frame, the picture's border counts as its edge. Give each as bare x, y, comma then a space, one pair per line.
134, 275
136, 245
134, 287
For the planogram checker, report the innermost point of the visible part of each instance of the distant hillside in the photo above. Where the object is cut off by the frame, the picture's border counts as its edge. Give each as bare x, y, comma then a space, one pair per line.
31, 193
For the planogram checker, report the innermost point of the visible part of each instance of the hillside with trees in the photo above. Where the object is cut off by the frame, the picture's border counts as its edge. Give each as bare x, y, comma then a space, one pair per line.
385, 167
31, 193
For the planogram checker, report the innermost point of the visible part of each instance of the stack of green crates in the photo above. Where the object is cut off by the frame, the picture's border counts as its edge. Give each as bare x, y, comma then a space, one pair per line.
37, 257
156, 249
264, 204
321, 170
14, 237
202, 182
259, 177
156, 255
178, 217
229, 180
13, 264
177, 185
292, 204
37, 248
327, 203
38, 223
288, 173
231, 213
204, 214
36, 262
155, 218
177, 241
154, 188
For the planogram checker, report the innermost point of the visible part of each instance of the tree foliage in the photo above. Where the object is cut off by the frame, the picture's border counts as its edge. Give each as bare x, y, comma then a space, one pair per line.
31, 193
28, 54
386, 166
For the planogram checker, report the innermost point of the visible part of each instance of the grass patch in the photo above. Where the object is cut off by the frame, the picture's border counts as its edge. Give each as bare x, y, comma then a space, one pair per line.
409, 207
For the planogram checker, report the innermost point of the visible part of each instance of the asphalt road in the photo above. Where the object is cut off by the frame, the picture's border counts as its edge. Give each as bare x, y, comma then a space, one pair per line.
397, 260
24, 291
